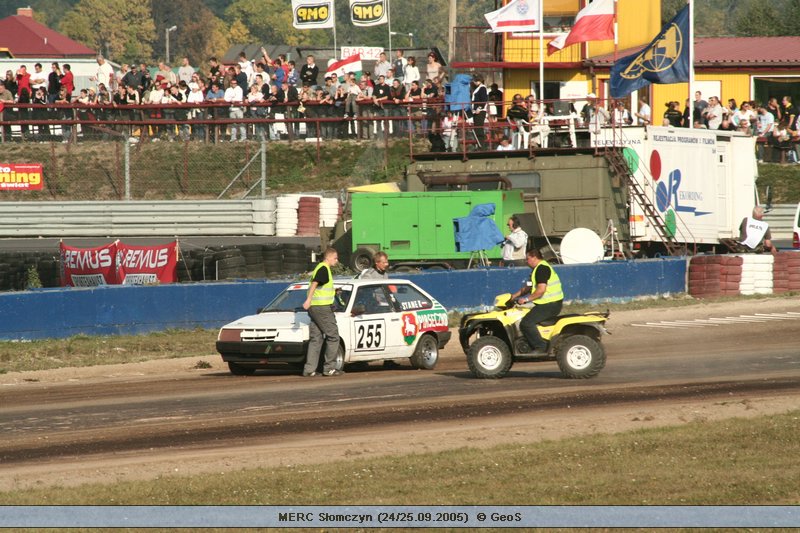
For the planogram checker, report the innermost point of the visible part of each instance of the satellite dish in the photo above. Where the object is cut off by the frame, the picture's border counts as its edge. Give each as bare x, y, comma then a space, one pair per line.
581, 245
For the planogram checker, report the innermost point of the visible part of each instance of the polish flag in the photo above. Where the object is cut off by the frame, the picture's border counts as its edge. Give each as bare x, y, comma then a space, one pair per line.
594, 22
342, 67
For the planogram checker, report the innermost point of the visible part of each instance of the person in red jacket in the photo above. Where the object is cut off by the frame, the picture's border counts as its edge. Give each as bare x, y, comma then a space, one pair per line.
68, 81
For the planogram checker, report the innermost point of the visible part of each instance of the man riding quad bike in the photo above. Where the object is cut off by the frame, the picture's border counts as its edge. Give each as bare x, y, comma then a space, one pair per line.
525, 326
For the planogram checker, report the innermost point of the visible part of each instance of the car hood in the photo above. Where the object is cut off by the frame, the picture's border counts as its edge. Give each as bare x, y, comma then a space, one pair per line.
278, 320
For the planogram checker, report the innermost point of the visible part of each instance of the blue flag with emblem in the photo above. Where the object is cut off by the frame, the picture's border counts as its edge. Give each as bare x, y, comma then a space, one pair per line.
664, 60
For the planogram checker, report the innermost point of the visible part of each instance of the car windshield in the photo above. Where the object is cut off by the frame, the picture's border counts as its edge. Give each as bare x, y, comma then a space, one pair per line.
292, 299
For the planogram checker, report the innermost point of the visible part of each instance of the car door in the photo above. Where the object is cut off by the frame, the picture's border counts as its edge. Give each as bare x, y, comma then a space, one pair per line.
372, 315
418, 314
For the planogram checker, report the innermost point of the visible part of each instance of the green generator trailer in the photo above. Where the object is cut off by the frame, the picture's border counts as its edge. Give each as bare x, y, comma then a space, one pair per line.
416, 229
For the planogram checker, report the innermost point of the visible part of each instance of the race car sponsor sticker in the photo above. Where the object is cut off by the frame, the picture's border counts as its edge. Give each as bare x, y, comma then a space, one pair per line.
409, 328
434, 320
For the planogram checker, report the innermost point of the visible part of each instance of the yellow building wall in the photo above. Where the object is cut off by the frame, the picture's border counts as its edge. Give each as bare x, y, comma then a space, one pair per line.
519, 81
638, 21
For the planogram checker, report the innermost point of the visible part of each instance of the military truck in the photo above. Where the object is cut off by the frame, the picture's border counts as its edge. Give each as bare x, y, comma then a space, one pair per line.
645, 192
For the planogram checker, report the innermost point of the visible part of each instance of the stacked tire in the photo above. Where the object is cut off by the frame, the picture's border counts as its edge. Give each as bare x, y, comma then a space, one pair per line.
705, 276
308, 216
286, 215
786, 272
16, 268
330, 210
272, 256
756, 274
230, 264
296, 259
254, 260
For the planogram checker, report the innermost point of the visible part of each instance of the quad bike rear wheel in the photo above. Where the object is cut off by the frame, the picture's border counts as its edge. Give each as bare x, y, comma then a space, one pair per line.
580, 357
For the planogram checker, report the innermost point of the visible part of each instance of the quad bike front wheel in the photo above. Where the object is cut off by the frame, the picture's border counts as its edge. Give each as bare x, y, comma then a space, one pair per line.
580, 357
489, 358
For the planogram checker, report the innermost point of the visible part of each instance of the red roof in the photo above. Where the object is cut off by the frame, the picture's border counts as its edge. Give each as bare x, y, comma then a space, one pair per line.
24, 37
733, 52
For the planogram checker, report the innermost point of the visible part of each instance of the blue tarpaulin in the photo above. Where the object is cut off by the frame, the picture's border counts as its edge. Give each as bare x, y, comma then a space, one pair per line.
477, 231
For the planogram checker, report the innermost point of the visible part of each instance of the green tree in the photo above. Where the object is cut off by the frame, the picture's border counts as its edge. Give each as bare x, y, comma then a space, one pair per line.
115, 27
758, 18
270, 21
200, 33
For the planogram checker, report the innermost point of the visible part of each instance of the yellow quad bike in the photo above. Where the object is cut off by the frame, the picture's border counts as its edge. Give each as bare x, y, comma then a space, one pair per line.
497, 343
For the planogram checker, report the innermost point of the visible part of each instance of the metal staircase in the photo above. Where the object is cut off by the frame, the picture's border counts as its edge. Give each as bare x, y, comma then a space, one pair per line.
619, 167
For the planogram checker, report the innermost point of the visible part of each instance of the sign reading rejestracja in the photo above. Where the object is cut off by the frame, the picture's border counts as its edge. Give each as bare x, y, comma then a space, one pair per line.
26, 177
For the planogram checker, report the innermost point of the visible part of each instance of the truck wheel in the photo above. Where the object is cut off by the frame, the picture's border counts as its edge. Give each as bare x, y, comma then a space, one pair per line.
239, 370
580, 357
361, 259
426, 354
489, 358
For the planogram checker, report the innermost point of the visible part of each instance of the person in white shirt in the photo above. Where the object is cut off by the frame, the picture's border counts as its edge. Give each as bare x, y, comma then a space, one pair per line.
621, 115
505, 144
197, 113
450, 123
514, 247
411, 73
104, 73
185, 71
235, 96
754, 233
714, 113
644, 115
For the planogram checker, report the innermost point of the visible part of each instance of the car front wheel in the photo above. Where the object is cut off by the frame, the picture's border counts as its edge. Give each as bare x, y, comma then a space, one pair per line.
240, 370
426, 354
489, 358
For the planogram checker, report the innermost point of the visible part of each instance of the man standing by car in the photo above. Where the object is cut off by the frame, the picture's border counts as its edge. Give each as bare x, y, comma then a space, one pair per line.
380, 269
546, 295
319, 304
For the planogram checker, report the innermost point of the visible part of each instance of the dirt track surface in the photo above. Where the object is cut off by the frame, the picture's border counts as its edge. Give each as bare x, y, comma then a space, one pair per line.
141, 421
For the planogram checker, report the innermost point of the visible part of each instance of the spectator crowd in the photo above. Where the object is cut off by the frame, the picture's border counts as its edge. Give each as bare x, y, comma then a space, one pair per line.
275, 97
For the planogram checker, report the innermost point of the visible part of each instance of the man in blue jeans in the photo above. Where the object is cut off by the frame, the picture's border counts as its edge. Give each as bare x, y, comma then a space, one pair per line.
545, 293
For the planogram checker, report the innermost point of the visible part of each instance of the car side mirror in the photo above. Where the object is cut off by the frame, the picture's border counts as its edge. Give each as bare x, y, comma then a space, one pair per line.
358, 309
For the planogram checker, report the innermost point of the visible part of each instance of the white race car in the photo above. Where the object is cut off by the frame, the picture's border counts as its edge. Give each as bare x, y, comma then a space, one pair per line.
377, 319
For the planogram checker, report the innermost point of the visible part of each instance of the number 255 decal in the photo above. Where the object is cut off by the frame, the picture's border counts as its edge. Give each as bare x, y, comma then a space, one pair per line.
370, 335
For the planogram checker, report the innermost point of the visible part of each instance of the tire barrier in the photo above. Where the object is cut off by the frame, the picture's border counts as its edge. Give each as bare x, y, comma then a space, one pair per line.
743, 274
247, 261
22, 270
302, 215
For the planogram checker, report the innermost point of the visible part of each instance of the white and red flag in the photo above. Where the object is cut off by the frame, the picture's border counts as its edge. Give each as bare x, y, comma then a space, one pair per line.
517, 15
594, 22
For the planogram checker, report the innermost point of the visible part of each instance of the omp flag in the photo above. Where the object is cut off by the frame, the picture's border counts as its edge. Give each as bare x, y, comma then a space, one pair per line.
517, 15
664, 60
594, 22
312, 14
342, 67
368, 12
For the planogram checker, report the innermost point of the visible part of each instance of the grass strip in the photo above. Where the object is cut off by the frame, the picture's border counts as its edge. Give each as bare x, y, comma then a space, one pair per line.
731, 462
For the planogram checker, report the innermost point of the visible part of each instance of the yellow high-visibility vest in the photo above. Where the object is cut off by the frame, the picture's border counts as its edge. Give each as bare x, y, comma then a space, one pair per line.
323, 295
553, 293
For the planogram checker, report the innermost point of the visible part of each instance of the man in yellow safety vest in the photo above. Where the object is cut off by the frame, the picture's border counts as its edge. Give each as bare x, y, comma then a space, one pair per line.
319, 304
545, 293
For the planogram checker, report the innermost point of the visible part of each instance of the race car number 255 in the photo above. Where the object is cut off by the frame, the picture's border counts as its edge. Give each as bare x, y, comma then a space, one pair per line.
370, 335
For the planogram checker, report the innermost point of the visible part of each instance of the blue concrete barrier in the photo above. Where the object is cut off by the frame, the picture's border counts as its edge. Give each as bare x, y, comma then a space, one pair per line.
114, 310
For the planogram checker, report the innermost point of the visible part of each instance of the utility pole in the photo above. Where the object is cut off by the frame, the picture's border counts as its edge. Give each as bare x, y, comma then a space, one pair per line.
451, 31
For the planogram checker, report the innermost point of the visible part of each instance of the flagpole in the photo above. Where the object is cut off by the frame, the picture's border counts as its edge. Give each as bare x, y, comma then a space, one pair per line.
616, 48
389, 23
333, 12
691, 63
541, 57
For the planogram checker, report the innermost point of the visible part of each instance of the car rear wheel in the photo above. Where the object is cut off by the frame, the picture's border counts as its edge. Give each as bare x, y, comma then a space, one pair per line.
580, 357
426, 354
239, 370
489, 358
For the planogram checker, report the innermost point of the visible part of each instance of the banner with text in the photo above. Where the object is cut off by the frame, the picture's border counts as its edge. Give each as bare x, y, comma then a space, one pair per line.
147, 265
27, 177
312, 15
88, 267
368, 12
